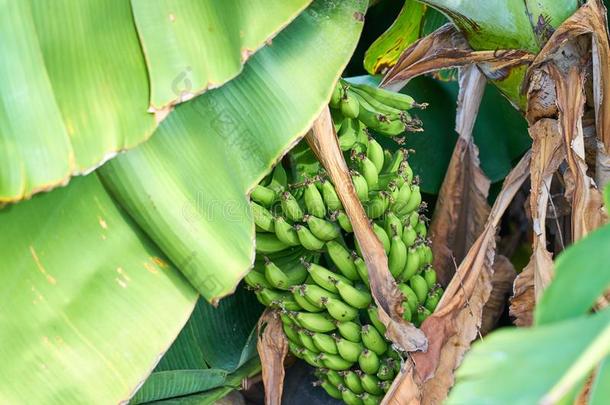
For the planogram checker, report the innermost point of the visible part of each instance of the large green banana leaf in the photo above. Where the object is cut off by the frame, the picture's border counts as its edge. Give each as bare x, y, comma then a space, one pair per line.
87, 302
521, 366
191, 45
187, 186
213, 345
73, 93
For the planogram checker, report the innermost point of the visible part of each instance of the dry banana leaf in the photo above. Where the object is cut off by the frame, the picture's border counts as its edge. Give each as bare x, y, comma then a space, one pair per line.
323, 141
456, 321
191, 46
502, 286
547, 154
461, 209
272, 346
447, 48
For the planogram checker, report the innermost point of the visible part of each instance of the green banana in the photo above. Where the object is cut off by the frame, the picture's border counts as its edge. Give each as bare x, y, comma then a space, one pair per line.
262, 217
275, 276
430, 276
307, 239
348, 350
409, 235
339, 309
315, 322
330, 197
256, 279
349, 331
295, 349
426, 255
331, 389
414, 219
263, 195
412, 264
373, 313
385, 385
421, 315
306, 340
375, 154
402, 199
373, 340
335, 98
324, 277
344, 221
396, 100
370, 383
285, 232
324, 343
386, 371
407, 314
312, 358
314, 203
322, 229
342, 258
383, 237
349, 105
396, 161
279, 179
432, 300
414, 200
397, 259
421, 229
383, 124
369, 172
352, 381
407, 172
368, 361
369, 399
297, 293
274, 298
291, 207
420, 287
393, 225
334, 362
267, 243
314, 293
373, 104
291, 333
360, 185
409, 296
349, 397
378, 205
333, 377
348, 134
353, 296
362, 270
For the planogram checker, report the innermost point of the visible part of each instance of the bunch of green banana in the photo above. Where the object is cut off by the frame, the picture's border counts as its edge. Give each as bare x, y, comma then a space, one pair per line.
309, 263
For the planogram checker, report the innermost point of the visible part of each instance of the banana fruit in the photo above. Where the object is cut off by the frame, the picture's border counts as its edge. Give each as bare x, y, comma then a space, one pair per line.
309, 263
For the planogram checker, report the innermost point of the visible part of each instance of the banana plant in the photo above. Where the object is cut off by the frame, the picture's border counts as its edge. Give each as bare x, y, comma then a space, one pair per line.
538, 54
102, 274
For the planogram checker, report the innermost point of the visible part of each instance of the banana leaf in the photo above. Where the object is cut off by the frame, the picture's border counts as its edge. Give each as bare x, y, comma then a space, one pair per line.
191, 45
88, 302
187, 186
74, 91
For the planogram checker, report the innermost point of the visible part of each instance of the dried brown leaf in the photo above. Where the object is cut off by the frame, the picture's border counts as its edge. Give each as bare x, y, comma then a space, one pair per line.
461, 209
523, 300
587, 202
272, 347
323, 141
447, 48
455, 323
502, 282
